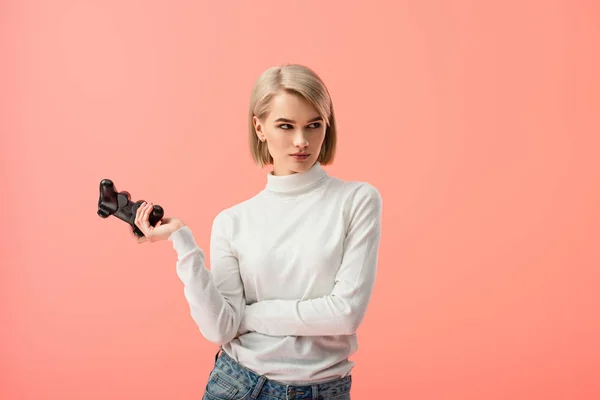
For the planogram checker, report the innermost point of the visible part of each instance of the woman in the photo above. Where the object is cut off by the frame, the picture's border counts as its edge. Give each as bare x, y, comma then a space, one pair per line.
292, 268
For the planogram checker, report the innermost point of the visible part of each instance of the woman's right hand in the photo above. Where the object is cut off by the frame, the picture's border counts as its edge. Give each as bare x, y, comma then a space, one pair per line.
163, 229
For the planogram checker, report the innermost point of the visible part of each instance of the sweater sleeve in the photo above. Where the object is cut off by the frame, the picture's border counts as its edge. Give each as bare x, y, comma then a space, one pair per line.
342, 311
215, 297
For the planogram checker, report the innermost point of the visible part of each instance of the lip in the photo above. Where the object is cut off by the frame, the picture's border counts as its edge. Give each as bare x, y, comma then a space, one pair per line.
300, 156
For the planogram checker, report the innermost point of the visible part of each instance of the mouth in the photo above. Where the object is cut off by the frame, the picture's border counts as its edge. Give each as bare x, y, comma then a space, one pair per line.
300, 156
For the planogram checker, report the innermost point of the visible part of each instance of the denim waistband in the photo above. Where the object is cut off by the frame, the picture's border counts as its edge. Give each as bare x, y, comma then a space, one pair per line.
261, 384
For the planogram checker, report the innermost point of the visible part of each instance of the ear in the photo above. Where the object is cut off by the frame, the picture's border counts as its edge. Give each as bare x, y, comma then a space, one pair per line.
258, 128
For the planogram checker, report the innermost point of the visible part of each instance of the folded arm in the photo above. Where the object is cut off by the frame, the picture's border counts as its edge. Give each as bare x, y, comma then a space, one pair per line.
341, 312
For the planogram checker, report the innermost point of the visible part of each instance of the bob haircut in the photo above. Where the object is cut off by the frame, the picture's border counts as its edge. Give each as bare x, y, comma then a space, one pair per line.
295, 79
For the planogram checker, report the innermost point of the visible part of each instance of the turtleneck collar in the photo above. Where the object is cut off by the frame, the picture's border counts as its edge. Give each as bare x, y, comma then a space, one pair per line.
295, 182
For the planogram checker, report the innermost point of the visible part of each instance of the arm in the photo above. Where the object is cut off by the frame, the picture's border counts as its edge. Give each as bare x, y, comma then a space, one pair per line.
341, 312
215, 297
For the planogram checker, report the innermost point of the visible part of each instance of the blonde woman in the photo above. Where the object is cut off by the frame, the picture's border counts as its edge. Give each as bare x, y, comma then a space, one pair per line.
293, 267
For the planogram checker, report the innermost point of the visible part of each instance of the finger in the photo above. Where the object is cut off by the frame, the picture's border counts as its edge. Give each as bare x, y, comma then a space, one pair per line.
140, 208
138, 214
145, 223
141, 223
149, 212
146, 215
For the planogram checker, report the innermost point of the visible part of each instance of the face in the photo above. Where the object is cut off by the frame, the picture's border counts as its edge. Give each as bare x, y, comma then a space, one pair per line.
294, 133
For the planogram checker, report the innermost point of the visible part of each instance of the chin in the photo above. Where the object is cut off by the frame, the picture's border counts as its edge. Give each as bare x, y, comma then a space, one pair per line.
291, 166
301, 166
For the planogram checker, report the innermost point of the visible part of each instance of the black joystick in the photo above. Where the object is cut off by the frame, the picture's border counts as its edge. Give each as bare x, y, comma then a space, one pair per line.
120, 205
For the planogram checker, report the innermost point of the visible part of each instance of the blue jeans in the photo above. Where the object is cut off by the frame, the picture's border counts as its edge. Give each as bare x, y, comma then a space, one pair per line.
231, 381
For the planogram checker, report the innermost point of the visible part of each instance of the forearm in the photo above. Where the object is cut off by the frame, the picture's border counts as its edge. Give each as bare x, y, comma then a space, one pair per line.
217, 316
326, 316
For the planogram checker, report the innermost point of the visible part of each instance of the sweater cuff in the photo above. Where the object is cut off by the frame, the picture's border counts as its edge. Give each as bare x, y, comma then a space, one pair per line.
183, 241
246, 321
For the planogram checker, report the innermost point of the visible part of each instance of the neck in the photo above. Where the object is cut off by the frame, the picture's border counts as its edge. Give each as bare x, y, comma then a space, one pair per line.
295, 182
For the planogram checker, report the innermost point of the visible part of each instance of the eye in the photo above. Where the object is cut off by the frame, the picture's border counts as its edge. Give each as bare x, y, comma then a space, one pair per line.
283, 125
315, 125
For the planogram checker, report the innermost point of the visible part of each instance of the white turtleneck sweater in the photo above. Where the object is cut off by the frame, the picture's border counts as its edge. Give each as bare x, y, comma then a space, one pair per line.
292, 271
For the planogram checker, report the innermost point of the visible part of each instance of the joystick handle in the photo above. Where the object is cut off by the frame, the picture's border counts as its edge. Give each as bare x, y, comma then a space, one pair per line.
119, 204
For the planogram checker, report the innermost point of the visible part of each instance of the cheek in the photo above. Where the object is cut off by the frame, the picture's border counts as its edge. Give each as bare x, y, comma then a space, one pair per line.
321, 137
276, 140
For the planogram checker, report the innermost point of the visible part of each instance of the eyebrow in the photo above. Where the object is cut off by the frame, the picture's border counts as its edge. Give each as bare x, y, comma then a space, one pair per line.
319, 118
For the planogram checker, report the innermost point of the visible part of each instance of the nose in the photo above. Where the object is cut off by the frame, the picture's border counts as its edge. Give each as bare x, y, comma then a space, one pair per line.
300, 139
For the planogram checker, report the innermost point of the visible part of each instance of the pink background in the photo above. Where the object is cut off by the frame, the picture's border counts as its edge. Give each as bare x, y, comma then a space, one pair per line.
478, 122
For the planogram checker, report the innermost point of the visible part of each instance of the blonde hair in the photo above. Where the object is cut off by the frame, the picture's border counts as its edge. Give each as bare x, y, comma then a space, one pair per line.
299, 80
